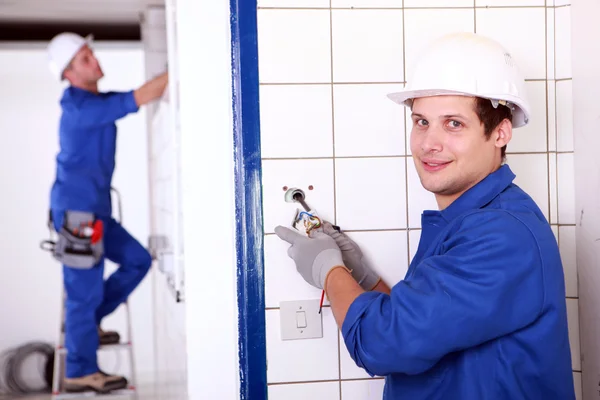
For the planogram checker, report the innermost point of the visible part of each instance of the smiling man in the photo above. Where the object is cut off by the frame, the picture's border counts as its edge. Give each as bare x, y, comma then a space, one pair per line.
481, 312
81, 208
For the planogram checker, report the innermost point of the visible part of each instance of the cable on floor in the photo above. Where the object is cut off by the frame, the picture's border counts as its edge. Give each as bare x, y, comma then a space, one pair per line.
15, 380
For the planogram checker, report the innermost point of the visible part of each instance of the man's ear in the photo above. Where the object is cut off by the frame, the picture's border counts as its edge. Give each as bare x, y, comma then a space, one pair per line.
503, 133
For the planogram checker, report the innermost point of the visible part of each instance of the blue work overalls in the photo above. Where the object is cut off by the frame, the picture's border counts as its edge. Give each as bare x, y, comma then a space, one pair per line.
481, 313
85, 166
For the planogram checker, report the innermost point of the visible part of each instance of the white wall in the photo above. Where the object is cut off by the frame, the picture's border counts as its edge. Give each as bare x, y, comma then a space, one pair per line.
325, 122
31, 284
586, 117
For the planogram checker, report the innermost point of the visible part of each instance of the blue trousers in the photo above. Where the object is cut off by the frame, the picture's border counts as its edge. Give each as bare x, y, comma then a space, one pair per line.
90, 298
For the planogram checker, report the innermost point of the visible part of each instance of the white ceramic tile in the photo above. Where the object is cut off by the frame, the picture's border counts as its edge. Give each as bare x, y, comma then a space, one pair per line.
558, 3
569, 258
564, 116
301, 360
349, 369
367, 3
294, 46
509, 3
409, 126
550, 43
367, 123
573, 317
282, 280
276, 174
294, 3
551, 115
414, 236
367, 46
371, 193
563, 42
423, 26
578, 386
296, 121
526, 40
532, 137
555, 231
439, 3
531, 172
304, 391
370, 389
566, 188
386, 252
419, 199
553, 188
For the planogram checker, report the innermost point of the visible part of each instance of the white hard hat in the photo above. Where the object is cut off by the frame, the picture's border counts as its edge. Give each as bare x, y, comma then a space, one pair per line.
61, 50
468, 64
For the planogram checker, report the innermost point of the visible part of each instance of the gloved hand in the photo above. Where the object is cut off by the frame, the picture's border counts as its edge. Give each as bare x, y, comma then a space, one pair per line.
314, 256
353, 258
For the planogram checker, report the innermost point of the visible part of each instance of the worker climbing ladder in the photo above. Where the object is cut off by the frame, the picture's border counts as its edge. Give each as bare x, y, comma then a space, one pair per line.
60, 352
60, 355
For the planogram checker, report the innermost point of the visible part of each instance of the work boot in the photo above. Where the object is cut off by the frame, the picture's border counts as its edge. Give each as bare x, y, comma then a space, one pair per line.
108, 337
97, 382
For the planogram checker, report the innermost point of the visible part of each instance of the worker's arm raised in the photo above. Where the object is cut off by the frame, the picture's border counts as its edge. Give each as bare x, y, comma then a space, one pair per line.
486, 284
151, 90
89, 110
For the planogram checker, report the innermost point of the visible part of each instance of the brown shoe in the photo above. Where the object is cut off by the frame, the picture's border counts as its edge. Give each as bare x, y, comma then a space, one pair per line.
97, 382
108, 337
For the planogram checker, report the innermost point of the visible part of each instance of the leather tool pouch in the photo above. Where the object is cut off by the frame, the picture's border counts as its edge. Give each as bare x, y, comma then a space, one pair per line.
80, 241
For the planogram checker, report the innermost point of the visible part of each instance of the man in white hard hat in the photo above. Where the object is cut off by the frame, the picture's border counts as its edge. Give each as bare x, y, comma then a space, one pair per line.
81, 208
481, 312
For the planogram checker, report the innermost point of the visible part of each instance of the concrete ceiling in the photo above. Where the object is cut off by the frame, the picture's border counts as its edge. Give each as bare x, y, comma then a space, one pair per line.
110, 12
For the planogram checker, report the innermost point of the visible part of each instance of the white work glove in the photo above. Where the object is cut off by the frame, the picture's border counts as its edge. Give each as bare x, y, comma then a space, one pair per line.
353, 258
314, 256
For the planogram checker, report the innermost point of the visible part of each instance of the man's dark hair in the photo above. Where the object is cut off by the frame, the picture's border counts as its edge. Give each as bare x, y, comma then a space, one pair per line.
491, 117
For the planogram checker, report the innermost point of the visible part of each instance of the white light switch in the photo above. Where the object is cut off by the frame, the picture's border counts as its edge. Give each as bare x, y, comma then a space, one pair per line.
300, 320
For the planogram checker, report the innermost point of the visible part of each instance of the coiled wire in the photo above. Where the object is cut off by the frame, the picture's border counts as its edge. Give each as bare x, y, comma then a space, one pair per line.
14, 379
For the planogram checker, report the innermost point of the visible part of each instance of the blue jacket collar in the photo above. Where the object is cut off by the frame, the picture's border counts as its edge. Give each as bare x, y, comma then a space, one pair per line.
480, 194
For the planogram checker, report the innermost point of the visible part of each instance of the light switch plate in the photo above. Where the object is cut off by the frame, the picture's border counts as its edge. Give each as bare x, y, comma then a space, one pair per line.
300, 320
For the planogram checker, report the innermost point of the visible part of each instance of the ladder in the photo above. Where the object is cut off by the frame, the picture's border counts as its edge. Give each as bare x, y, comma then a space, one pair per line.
60, 355
60, 351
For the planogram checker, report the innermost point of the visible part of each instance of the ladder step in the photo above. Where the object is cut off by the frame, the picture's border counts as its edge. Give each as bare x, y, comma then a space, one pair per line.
116, 346
114, 393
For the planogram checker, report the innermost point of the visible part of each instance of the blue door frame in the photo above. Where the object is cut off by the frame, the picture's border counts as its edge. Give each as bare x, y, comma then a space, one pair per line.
248, 205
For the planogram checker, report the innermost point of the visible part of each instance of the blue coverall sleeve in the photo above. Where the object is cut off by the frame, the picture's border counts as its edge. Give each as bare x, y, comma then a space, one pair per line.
486, 283
104, 108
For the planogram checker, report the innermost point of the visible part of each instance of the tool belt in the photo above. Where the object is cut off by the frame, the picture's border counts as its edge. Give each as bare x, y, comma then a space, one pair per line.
80, 240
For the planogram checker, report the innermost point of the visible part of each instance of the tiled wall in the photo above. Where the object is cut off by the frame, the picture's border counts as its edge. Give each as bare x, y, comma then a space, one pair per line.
325, 68
169, 316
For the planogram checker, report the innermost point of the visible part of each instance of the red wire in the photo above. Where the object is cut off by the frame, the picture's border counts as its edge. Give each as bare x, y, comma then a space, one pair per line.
322, 298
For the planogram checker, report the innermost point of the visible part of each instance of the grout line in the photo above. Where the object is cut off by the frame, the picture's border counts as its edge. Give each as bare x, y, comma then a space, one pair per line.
279, 308
334, 167
573, 297
372, 82
332, 82
562, 79
325, 381
400, 155
406, 138
474, 18
557, 189
332, 112
359, 8
379, 230
547, 115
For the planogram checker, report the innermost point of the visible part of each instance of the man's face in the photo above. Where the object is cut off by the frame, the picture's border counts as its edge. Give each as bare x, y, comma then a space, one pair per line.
449, 147
84, 67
